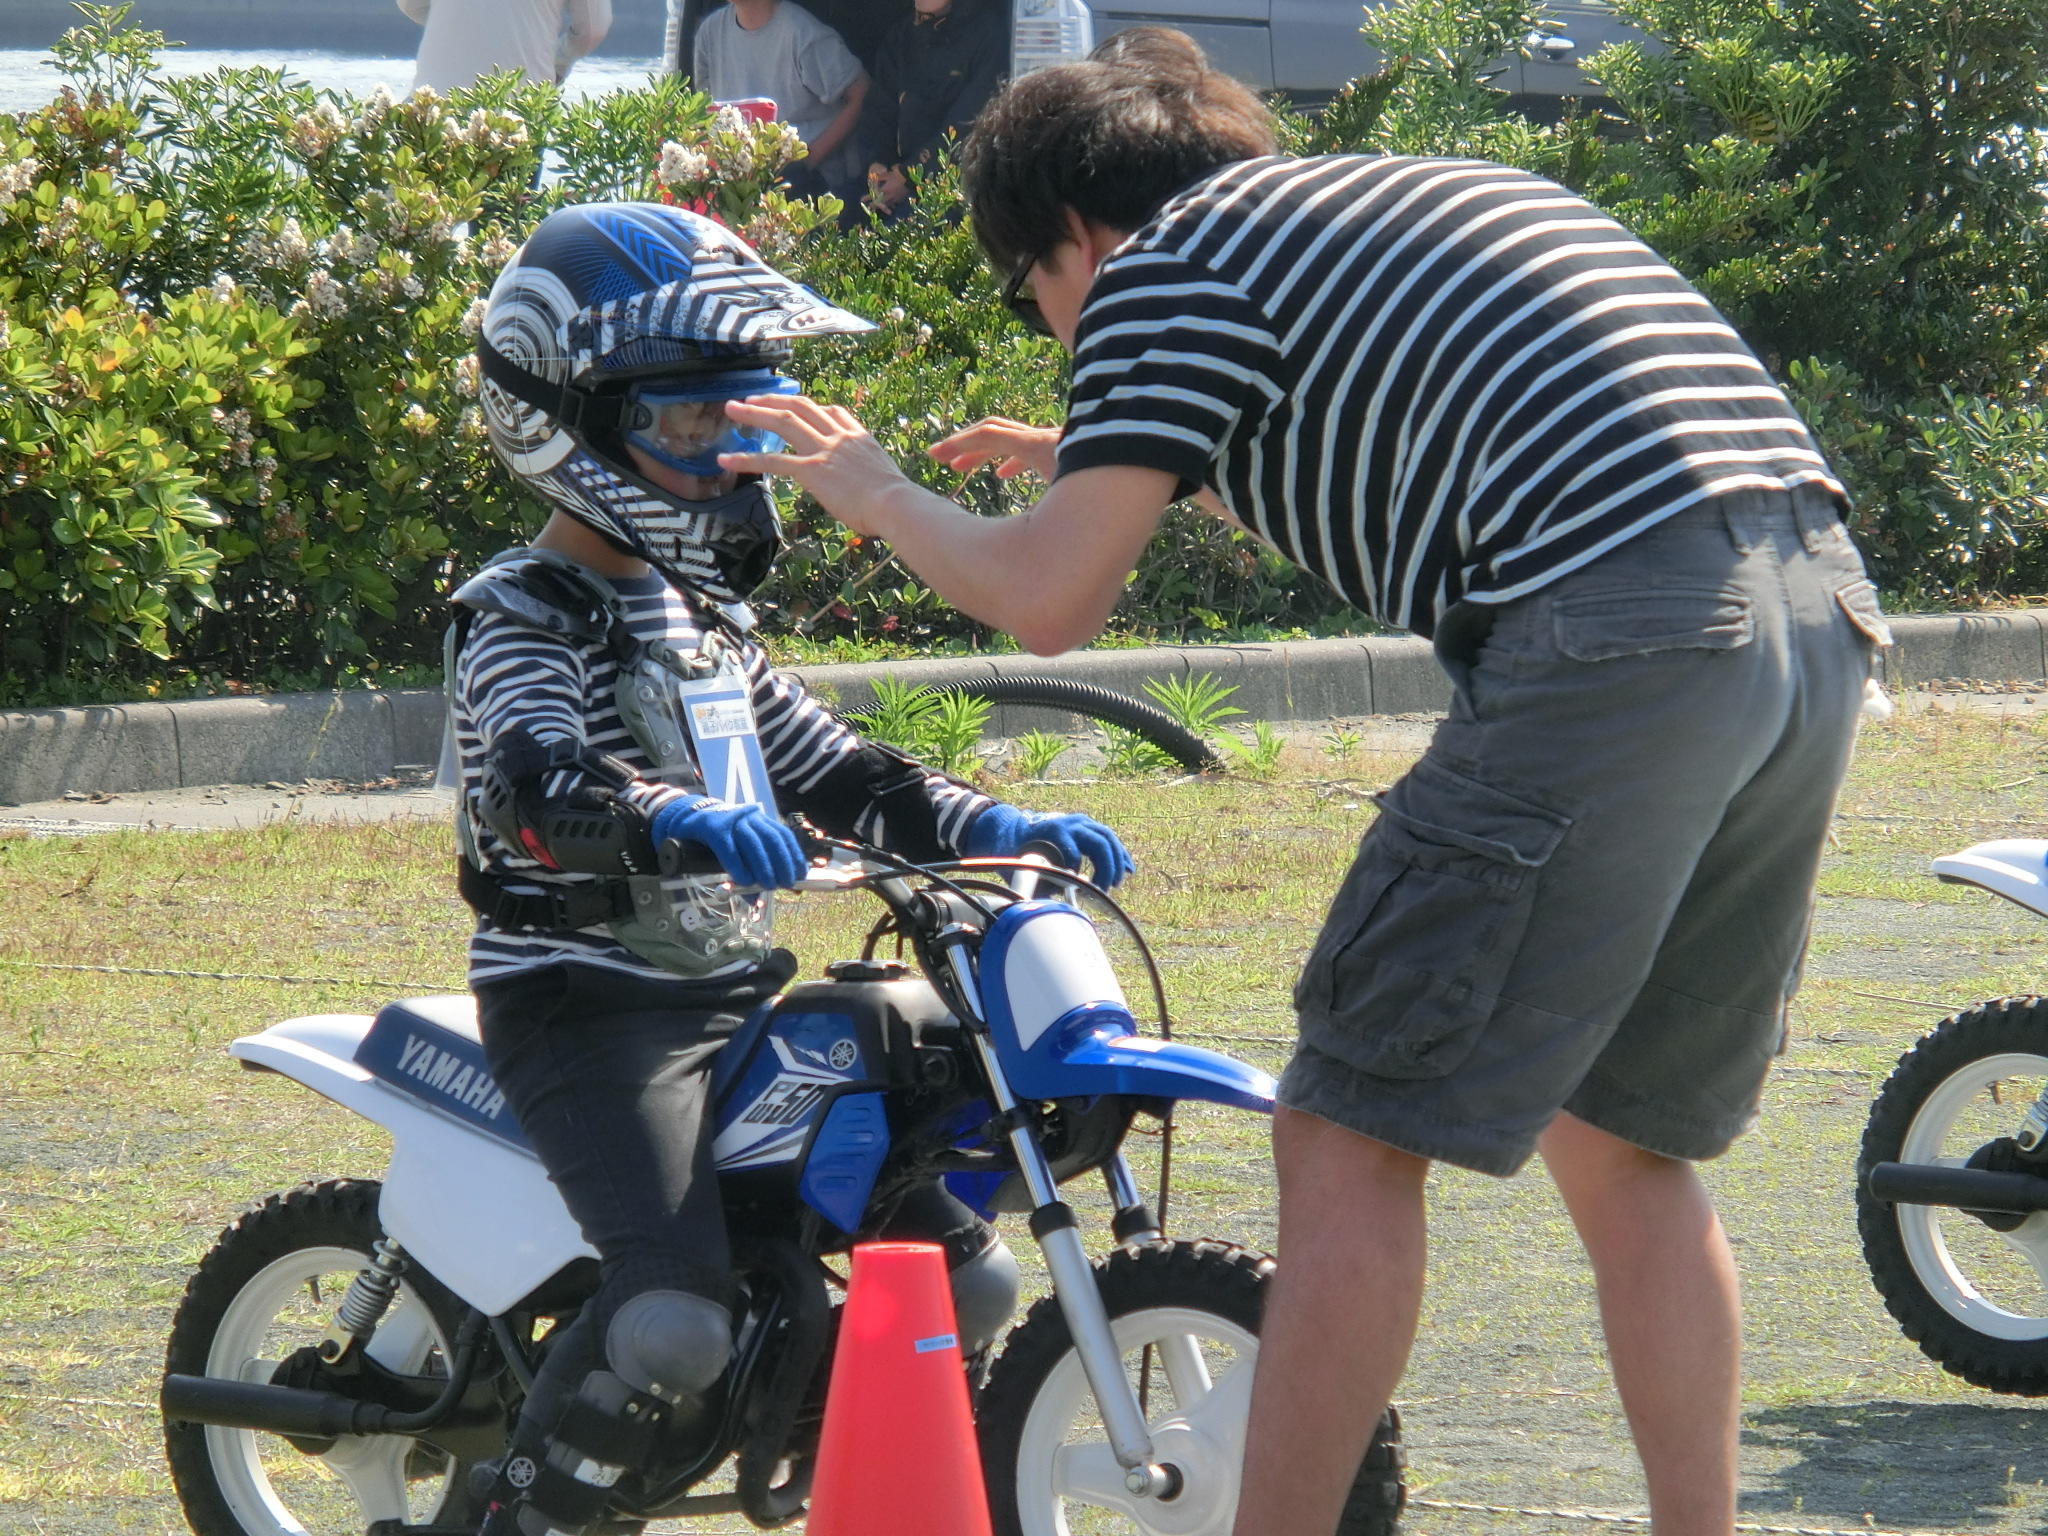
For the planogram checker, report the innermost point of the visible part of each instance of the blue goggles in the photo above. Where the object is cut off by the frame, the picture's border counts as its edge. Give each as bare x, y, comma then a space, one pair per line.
683, 422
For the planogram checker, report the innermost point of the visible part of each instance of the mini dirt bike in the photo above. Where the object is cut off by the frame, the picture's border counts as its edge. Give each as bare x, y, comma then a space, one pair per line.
349, 1353
1952, 1184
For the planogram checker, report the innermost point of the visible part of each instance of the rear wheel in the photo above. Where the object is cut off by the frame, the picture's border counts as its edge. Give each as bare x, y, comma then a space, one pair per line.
269, 1288
1186, 1316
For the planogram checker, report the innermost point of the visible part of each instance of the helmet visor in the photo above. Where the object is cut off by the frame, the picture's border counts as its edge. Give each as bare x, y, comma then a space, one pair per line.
685, 425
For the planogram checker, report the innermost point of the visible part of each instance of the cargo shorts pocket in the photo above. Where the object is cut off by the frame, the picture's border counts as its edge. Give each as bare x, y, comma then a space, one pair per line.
1600, 626
1410, 963
1858, 601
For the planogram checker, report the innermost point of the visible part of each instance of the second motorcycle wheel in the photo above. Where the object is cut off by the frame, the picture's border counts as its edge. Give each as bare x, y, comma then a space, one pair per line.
1186, 1318
1972, 1296
268, 1288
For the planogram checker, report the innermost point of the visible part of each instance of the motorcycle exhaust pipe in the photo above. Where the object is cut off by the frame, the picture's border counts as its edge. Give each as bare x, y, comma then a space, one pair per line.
1969, 1189
280, 1410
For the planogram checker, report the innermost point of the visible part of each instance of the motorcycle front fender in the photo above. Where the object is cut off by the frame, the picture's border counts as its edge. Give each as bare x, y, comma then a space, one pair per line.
2015, 868
1092, 1052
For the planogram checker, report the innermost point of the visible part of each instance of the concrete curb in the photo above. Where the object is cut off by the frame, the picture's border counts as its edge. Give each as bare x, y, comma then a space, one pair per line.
361, 736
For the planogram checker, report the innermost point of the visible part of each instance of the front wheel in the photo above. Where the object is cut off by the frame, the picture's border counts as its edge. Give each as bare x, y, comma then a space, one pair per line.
1972, 1296
268, 1288
1186, 1317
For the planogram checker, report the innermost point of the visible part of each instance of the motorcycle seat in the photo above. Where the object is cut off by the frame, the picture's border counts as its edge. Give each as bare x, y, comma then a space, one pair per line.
429, 1049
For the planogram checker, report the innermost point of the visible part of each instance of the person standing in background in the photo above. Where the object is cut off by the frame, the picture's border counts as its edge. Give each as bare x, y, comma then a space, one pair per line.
935, 71
779, 50
468, 39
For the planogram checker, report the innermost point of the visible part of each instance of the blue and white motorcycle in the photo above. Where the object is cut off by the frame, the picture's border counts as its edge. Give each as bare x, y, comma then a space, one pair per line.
350, 1352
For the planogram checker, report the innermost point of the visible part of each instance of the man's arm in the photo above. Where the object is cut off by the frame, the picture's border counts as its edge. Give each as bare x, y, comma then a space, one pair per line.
1049, 576
836, 131
589, 21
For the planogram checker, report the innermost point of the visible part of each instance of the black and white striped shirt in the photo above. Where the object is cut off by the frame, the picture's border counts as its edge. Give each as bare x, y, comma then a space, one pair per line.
1422, 380
511, 675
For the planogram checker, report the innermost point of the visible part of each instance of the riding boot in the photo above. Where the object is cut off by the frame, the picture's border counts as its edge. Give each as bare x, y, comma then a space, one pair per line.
606, 1430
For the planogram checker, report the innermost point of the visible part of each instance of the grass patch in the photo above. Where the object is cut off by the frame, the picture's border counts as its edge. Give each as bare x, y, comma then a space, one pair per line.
128, 1138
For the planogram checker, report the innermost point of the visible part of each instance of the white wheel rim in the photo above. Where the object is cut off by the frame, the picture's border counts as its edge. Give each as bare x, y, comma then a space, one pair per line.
1197, 1416
1946, 1246
369, 1469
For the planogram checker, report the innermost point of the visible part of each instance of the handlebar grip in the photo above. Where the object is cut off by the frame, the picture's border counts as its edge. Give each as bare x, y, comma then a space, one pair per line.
1050, 852
679, 856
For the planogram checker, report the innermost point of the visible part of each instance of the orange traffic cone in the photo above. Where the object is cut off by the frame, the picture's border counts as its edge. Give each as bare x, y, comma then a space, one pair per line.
898, 1456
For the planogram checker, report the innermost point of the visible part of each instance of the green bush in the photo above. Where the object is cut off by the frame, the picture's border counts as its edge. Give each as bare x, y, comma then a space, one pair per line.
237, 429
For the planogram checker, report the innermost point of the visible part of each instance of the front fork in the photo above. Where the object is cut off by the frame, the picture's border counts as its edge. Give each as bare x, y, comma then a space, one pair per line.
1066, 1261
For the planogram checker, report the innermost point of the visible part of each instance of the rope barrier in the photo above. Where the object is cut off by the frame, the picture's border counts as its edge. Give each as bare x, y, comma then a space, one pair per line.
408, 987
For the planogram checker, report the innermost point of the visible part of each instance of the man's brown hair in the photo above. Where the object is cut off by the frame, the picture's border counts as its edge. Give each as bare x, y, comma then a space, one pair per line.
1112, 137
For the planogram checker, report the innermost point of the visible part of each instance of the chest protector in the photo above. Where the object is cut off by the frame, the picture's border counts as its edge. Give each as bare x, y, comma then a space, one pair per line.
691, 714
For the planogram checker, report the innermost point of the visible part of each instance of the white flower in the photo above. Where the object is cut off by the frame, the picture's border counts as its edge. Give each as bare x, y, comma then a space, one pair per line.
18, 178
61, 226
473, 317
324, 297
895, 316
240, 432
924, 334
680, 164
316, 132
468, 375
417, 421
285, 248
224, 289
498, 250
376, 105
729, 119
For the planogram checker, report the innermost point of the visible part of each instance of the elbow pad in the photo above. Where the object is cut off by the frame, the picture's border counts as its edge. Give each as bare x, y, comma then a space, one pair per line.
887, 781
587, 830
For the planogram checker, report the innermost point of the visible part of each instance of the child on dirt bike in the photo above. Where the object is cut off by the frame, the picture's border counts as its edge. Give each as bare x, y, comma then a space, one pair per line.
608, 701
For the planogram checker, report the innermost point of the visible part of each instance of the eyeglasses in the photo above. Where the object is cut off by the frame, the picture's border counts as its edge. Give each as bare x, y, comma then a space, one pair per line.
1025, 305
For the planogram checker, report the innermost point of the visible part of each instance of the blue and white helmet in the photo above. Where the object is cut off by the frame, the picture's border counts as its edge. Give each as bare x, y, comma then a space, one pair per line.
608, 311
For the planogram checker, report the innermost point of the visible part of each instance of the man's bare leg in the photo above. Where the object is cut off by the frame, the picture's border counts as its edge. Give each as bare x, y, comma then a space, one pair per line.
1339, 1321
1672, 1313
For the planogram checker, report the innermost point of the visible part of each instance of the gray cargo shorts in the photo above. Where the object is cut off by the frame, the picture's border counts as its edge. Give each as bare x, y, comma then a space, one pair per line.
1593, 890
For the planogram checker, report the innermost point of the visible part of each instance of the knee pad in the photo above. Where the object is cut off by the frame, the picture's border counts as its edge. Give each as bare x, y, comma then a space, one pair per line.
671, 1344
984, 1295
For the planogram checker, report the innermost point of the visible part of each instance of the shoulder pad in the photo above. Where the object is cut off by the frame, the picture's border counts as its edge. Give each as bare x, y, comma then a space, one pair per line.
543, 591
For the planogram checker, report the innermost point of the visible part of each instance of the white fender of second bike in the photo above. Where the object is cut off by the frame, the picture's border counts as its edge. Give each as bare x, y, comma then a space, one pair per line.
476, 1213
2015, 868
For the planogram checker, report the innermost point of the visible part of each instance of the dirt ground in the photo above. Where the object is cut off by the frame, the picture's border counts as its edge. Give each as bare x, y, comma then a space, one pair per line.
1512, 1425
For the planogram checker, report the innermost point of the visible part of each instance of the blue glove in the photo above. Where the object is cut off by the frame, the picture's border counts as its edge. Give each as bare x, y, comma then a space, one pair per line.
1001, 832
749, 843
